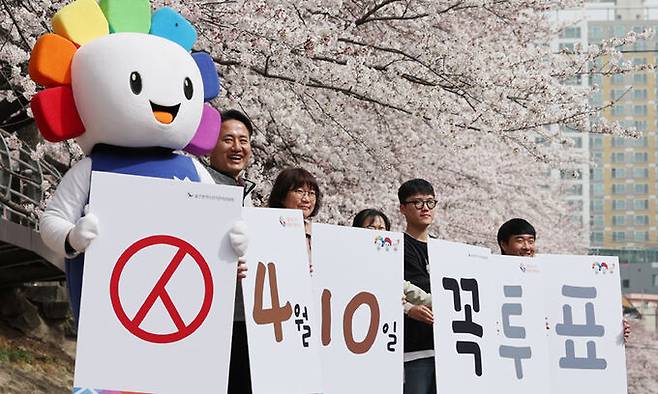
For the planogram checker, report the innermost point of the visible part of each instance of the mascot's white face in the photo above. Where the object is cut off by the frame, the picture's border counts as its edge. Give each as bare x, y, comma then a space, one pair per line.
136, 90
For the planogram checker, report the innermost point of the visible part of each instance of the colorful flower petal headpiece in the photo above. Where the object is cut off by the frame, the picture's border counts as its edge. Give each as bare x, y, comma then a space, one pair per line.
84, 21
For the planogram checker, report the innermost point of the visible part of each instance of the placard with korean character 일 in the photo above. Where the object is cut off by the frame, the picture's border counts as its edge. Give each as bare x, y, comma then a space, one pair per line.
357, 283
278, 298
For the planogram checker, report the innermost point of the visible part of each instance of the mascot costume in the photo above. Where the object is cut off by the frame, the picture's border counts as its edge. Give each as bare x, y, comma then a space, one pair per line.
123, 83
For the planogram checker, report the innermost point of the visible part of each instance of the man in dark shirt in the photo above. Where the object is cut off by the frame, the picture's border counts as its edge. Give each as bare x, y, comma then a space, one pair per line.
416, 205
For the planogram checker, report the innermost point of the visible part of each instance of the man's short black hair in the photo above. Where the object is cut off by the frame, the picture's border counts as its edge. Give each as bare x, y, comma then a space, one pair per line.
234, 114
513, 227
413, 187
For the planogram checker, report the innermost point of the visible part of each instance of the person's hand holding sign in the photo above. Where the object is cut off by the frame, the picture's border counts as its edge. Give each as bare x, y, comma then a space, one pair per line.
239, 242
242, 268
421, 313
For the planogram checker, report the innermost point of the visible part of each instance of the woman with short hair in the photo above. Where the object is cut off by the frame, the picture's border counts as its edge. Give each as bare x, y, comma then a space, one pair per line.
296, 188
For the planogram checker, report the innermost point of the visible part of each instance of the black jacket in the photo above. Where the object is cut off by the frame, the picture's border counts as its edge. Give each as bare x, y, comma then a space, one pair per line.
417, 335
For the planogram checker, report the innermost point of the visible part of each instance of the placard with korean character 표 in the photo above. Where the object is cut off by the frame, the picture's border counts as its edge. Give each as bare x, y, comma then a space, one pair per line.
584, 311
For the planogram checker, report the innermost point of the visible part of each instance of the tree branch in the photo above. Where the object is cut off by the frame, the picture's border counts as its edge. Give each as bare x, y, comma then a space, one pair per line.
372, 11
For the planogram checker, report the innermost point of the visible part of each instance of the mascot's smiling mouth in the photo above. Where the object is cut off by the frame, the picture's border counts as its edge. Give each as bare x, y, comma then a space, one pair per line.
164, 114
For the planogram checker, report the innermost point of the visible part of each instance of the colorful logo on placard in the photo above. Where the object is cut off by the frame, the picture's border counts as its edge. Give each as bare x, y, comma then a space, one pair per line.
289, 221
386, 243
603, 267
527, 267
83, 390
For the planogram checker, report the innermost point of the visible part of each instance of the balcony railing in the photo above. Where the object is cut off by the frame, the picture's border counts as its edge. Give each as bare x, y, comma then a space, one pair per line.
23, 256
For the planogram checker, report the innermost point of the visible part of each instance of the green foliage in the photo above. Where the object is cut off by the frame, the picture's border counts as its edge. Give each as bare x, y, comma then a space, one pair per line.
16, 355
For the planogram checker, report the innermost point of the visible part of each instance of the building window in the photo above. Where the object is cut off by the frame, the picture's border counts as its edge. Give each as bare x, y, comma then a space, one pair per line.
618, 188
598, 189
619, 31
617, 173
637, 142
626, 283
617, 94
597, 237
640, 78
597, 174
618, 220
596, 32
642, 188
641, 220
640, 125
617, 79
618, 205
575, 190
655, 280
617, 157
640, 173
641, 236
640, 110
598, 221
597, 205
596, 142
618, 142
638, 61
640, 94
619, 236
641, 205
570, 32
618, 110
640, 157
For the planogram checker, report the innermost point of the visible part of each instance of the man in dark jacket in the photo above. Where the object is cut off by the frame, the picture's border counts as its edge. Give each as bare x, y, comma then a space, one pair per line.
228, 161
417, 203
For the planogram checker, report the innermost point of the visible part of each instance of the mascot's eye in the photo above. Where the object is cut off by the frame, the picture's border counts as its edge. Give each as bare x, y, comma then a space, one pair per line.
136, 82
188, 89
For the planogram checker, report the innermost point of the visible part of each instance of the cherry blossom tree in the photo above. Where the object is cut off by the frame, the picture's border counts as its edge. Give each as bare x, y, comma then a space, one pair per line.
368, 94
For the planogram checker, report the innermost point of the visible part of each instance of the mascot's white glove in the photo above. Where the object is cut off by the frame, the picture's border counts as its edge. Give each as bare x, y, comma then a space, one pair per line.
239, 237
85, 230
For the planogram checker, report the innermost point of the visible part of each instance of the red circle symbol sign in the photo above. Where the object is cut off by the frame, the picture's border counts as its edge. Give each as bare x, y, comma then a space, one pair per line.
159, 291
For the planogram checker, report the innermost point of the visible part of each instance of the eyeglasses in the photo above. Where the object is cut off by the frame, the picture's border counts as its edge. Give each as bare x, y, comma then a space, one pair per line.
418, 204
300, 193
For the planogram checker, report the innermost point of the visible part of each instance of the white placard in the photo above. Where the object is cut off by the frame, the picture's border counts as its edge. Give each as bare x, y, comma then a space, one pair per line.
470, 250
159, 285
489, 326
283, 346
357, 282
586, 344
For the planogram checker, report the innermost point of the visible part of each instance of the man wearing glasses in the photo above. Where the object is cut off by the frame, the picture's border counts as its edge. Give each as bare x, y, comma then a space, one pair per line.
417, 202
